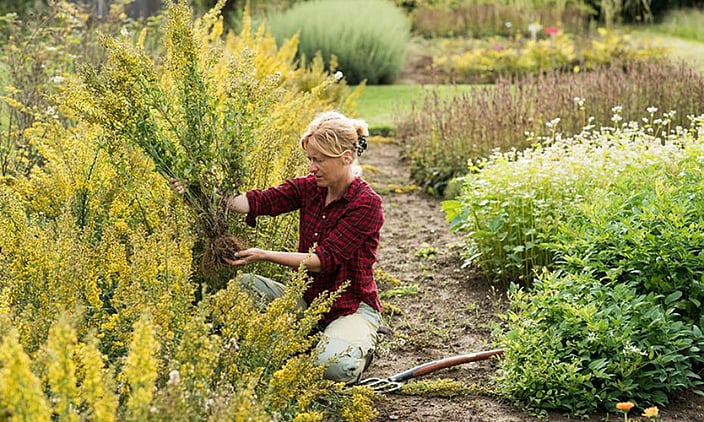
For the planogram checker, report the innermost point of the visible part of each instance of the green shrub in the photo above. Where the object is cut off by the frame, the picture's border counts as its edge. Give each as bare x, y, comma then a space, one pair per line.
573, 344
441, 134
644, 227
615, 214
513, 205
366, 38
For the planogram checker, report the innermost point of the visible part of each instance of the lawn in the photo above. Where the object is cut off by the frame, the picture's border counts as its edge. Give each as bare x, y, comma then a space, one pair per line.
679, 48
378, 104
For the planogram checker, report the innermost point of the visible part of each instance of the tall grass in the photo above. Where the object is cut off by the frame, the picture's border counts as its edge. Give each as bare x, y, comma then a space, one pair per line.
441, 135
482, 18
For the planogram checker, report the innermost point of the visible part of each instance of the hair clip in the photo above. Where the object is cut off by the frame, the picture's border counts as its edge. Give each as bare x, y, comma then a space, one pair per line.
361, 145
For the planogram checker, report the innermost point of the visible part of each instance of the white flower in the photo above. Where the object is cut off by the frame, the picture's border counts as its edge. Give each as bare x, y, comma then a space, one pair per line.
552, 123
124, 31
58, 79
338, 76
534, 28
174, 377
617, 109
508, 25
652, 110
51, 112
632, 348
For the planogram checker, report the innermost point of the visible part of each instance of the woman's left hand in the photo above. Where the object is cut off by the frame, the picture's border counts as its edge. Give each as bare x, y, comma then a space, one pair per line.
247, 256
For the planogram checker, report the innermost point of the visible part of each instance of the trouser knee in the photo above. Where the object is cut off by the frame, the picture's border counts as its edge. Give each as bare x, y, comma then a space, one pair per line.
344, 362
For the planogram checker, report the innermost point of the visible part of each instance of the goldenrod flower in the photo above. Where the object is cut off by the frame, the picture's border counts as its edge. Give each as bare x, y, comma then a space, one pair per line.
651, 412
624, 406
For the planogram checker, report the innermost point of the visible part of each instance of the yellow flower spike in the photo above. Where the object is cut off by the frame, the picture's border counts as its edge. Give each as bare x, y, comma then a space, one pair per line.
624, 406
651, 412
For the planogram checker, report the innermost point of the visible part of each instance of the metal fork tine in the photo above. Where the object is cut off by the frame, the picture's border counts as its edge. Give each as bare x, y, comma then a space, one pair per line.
381, 385
388, 387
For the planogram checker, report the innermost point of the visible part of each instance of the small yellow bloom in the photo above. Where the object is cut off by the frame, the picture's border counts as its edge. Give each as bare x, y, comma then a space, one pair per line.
651, 412
625, 406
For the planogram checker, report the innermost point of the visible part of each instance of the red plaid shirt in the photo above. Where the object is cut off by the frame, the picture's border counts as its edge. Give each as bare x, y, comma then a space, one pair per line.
346, 233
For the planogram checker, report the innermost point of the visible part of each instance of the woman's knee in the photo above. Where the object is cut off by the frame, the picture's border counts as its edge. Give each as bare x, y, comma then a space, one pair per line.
343, 361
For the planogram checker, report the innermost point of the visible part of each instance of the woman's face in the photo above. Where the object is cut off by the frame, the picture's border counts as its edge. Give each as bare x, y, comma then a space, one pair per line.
328, 171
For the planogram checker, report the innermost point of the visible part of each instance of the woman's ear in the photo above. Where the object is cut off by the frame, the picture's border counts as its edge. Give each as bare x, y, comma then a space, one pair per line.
349, 159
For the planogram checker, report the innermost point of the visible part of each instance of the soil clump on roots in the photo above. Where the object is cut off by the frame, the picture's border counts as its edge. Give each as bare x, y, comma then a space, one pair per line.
217, 250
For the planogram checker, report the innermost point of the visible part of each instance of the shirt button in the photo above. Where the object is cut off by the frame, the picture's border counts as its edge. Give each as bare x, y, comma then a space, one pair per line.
315, 234
324, 217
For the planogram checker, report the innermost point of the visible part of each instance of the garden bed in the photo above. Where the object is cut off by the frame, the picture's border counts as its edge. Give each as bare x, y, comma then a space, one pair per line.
440, 310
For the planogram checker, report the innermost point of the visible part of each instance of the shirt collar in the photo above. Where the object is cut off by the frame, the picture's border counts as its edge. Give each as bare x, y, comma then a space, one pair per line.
349, 193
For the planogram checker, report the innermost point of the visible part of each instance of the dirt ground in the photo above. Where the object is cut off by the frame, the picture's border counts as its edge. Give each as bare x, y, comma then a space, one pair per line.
451, 312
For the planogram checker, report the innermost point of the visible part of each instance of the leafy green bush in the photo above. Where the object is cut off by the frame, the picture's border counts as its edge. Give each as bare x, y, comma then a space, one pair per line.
614, 216
365, 38
513, 206
644, 226
441, 134
573, 344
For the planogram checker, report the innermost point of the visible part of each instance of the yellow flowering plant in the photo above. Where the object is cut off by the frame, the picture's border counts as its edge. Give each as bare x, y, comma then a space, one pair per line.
215, 115
96, 257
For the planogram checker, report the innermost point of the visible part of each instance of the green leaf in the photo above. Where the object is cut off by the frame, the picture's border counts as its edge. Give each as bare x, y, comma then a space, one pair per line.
673, 297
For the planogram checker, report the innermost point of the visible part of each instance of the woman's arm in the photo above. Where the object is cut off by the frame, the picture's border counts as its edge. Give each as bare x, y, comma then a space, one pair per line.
238, 203
290, 259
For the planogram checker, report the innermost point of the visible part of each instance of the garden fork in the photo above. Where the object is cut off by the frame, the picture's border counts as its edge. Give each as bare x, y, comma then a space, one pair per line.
393, 383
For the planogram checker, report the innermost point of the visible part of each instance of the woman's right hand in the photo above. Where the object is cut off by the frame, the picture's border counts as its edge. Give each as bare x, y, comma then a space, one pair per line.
247, 256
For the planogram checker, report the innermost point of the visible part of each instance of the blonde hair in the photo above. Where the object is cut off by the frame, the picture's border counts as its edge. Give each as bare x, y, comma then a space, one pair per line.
333, 134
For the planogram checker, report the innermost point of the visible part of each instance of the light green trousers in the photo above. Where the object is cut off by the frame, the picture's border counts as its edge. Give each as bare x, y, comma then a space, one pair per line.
348, 342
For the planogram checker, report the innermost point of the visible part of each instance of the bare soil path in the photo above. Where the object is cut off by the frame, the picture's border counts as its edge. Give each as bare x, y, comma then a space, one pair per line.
440, 309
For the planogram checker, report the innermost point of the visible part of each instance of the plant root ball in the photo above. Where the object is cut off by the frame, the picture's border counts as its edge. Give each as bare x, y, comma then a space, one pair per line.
217, 250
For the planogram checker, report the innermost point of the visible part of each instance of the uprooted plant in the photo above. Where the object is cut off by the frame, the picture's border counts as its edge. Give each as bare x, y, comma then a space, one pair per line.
195, 116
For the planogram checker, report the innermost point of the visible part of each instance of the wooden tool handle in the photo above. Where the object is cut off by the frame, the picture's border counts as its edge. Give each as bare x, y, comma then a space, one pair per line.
436, 365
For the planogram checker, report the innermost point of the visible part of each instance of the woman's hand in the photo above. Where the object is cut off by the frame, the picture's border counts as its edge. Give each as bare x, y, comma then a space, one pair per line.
247, 256
177, 186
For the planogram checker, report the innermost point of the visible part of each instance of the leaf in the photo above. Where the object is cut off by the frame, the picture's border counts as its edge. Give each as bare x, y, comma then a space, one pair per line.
673, 297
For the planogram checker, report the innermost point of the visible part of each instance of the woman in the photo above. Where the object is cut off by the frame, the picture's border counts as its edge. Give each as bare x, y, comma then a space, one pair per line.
340, 221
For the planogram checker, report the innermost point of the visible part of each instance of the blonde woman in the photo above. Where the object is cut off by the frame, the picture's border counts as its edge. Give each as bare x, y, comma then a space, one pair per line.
340, 221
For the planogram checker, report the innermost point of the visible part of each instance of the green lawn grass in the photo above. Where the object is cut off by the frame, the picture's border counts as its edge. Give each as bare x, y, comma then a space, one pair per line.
378, 104
678, 48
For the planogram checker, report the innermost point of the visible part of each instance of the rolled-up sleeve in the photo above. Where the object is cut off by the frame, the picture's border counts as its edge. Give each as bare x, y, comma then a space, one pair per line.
274, 201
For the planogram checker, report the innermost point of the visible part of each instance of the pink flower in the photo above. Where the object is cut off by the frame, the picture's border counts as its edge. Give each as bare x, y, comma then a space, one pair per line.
552, 30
